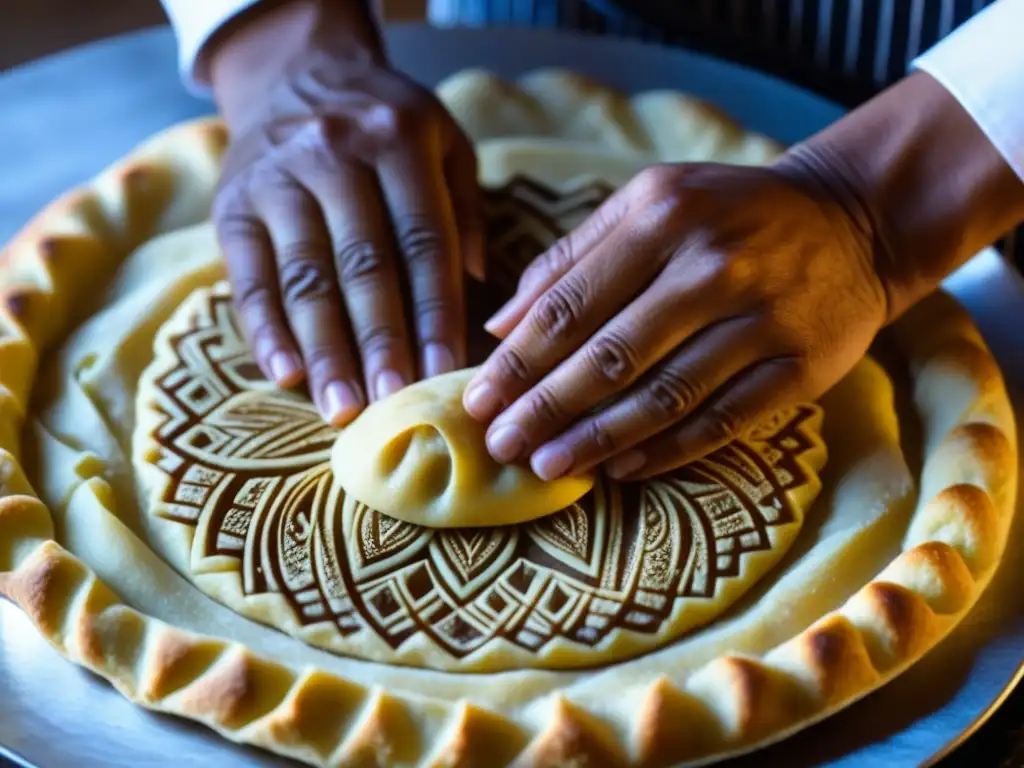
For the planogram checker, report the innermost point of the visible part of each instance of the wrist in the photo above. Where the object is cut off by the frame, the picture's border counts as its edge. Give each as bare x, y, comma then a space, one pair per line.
920, 182
257, 50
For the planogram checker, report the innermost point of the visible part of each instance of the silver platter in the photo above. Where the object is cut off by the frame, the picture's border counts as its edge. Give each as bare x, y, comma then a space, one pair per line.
66, 117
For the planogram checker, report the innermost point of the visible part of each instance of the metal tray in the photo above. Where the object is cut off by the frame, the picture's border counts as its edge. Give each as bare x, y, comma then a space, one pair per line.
66, 117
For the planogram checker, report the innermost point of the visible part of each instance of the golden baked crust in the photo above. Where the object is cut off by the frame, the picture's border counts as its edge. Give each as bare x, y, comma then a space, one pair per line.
53, 274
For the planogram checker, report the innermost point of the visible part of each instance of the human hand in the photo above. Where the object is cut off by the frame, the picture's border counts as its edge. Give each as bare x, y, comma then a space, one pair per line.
348, 196
701, 297
696, 300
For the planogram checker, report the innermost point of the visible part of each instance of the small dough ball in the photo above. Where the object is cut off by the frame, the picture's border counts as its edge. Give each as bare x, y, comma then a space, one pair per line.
419, 457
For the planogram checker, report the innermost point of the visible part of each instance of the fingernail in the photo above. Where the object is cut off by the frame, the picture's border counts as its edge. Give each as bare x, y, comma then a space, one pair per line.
481, 401
285, 368
625, 464
506, 443
551, 461
387, 383
437, 358
342, 402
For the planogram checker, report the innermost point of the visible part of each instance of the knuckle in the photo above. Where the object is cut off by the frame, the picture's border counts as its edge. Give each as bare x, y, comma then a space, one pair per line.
800, 369
536, 273
419, 241
434, 316
304, 278
545, 406
358, 260
558, 258
322, 146
733, 272
321, 362
512, 366
321, 131
234, 225
382, 120
672, 395
271, 185
561, 308
251, 294
725, 423
377, 340
654, 179
804, 376
613, 358
599, 436
661, 184
392, 122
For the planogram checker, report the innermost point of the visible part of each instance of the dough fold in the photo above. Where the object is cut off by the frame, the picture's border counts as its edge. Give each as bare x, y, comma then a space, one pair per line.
417, 456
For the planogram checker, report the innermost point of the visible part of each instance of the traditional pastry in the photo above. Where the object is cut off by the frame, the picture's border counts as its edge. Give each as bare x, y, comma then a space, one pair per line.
418, 456
249, 497
145, 466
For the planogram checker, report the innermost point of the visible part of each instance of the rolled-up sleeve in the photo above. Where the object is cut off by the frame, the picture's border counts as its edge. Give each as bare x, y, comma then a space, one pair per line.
194, 23
982, 65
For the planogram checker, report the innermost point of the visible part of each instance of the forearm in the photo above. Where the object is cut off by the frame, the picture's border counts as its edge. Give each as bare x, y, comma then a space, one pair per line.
250, 54
921, 179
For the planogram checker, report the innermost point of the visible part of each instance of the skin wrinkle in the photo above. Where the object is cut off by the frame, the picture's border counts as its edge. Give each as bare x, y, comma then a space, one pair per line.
730, 274
614, 358
307, 93
817, 252
358, 259
828, 173
559, 313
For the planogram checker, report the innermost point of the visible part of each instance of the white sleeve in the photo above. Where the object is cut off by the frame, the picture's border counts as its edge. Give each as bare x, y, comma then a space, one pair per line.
194, 23
982, 66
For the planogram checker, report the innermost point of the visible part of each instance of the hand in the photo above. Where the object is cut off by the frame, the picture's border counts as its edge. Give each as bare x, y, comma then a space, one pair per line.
701, 297
696, 300
345, 183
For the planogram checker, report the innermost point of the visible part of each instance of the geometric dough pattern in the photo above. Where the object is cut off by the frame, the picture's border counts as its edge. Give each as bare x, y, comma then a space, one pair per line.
249, 467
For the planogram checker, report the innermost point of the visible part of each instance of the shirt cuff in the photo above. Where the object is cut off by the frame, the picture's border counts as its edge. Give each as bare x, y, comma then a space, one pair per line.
194, 23
980, 66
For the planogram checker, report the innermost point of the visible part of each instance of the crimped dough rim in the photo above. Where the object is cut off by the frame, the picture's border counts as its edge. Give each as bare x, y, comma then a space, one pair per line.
732, 704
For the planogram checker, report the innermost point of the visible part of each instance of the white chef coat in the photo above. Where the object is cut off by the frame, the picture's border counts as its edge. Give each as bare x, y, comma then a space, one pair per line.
977, 63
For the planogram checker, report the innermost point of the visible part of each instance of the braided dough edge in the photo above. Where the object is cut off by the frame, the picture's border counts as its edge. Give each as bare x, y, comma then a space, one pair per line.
53, 267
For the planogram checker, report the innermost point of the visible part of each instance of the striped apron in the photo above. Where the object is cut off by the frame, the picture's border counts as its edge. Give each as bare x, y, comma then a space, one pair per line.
845, 50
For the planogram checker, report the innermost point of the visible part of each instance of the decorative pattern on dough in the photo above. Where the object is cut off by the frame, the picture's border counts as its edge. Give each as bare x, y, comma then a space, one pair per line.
525, 217
643, 714
248, 467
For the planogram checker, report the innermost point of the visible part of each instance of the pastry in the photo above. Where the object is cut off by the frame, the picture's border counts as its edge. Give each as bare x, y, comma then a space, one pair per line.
247, 494
136, 484
419, 457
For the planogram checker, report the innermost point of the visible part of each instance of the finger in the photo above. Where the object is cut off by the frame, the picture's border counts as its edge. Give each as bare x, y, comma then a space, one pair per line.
552, 265
414, 186
752, 395
365, 264
249, 259
310, 297
560, 321
669, 392
460, 170
608, 363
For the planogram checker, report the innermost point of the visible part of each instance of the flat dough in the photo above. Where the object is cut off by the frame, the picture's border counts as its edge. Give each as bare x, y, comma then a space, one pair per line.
886, 561
239, 493
418, 456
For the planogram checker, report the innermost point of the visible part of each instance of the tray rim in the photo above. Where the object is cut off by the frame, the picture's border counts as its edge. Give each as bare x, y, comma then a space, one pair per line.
1016, 678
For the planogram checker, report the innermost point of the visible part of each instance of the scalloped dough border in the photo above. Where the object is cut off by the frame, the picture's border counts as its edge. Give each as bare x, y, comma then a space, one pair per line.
52, 269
